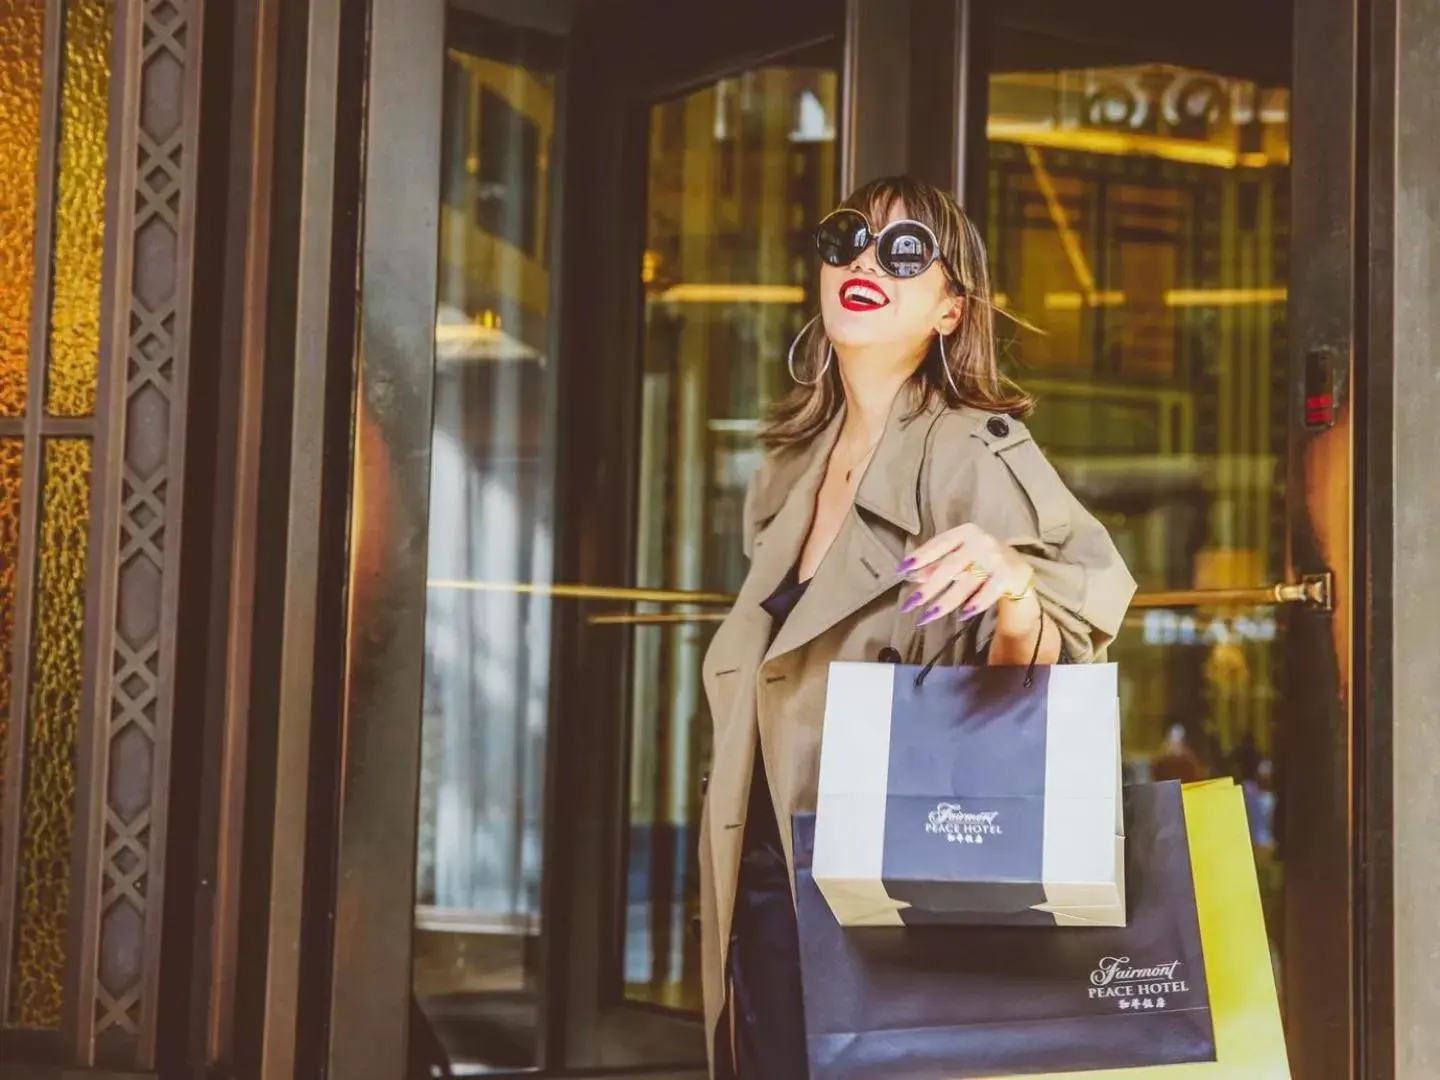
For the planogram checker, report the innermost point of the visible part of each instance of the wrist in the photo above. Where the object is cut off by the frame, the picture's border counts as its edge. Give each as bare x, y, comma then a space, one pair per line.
1018, 611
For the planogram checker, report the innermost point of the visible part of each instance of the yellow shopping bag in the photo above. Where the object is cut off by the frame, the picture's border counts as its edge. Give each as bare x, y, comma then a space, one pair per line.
1249, 1041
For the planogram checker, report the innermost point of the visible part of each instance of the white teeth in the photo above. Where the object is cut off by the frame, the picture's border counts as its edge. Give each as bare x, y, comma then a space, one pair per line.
864, 293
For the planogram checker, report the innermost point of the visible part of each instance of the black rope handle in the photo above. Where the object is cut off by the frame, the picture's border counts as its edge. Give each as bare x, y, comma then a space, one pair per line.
965, 625
1035, 653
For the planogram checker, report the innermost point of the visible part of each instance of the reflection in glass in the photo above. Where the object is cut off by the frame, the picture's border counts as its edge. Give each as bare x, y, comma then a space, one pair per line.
1140, 216
487, 652
739, 173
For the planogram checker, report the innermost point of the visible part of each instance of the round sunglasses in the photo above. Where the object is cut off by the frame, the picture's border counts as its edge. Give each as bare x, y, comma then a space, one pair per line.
904, 248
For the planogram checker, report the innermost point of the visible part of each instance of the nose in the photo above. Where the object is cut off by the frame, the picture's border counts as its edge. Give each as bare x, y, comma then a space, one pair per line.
865, 262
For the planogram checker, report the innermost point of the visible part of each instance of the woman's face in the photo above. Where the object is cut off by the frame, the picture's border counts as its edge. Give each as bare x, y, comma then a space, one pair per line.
863, 306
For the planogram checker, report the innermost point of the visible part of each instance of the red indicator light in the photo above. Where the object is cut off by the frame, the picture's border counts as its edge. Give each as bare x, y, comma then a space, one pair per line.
1322, 399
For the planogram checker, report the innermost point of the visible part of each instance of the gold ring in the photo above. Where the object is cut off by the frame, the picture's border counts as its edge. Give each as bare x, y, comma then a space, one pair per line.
977, 571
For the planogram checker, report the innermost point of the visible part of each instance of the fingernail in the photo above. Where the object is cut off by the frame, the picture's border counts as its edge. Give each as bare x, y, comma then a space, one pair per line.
912, 602
905, 564
929, 614
967, 611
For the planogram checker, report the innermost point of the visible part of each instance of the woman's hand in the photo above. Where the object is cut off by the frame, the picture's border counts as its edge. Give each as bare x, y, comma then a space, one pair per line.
966, 568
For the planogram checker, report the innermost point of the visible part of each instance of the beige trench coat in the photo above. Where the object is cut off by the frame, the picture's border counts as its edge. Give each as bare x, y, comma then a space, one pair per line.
932, 470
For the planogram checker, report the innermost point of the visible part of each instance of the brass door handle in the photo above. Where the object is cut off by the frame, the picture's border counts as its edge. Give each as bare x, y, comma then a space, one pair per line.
1312, 591
1315, 591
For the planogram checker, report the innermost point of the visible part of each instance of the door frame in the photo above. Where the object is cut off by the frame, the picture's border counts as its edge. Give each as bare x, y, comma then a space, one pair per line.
1336, 787
641, 51
619, 67
1368, 145
1326, 953
638, 54
615, 66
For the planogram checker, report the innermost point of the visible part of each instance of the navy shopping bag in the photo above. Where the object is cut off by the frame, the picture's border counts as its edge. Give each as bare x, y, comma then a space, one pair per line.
941, 1002
971, 795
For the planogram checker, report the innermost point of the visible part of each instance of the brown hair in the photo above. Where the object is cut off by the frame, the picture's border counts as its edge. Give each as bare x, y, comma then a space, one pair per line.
969, 352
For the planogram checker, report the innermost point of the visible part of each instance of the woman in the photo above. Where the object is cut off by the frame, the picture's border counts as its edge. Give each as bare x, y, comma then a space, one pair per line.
901, 513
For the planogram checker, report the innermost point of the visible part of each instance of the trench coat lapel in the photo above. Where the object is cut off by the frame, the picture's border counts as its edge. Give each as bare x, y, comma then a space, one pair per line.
790, 496
784, 509
858, 568
877, 531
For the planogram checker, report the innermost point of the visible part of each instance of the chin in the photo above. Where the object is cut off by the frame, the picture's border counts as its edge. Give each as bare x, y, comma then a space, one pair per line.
850, 330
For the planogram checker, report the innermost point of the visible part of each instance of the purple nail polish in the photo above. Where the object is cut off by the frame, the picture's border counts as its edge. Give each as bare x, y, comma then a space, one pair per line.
905, 564
967, 611
912, 602
929, 614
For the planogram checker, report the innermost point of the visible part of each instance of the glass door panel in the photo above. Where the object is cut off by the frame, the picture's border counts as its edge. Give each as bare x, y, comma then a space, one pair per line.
487, 642
739, 171
1138, 214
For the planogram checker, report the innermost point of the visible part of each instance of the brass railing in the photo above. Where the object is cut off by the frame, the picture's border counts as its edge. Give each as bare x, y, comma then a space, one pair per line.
1312, 591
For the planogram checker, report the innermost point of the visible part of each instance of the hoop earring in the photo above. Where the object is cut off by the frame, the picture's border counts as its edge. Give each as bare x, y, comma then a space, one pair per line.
824, 368
945, 364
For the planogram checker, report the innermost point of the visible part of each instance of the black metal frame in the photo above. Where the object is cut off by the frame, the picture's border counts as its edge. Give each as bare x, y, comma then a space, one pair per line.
366, 1029
1374, 398
1324, 784
622, 60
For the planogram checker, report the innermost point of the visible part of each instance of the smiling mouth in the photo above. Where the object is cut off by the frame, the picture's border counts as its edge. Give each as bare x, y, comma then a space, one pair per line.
858, 295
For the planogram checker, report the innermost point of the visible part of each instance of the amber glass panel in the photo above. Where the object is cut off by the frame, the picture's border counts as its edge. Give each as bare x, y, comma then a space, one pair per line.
48, 809
739, 173
80, 210
21, 47
1140, 216
10, 451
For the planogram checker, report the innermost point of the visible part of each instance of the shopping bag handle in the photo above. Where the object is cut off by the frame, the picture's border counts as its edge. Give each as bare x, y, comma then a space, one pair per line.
953, 638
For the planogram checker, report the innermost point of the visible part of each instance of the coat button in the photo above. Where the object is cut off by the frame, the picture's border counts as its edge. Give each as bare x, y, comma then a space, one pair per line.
998, 426
889, 655
704, 783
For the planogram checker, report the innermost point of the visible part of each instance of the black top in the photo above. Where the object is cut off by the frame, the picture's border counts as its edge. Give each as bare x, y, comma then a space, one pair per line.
762, 831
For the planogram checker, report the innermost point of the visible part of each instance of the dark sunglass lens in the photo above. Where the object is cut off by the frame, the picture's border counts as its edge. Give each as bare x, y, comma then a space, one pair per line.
905, 251
840, 237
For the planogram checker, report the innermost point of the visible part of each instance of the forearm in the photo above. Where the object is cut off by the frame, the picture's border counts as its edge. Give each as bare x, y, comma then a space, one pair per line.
1017, 622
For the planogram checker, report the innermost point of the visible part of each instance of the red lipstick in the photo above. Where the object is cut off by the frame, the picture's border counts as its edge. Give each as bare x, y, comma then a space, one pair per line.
860, 294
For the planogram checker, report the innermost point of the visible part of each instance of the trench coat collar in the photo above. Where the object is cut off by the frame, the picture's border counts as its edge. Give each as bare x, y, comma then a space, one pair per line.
862, 561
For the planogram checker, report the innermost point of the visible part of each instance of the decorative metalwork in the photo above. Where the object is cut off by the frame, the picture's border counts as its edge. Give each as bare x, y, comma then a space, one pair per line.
146, 368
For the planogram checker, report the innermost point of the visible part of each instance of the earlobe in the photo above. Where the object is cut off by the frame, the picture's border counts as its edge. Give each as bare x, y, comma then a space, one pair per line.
951, 319
954, 316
